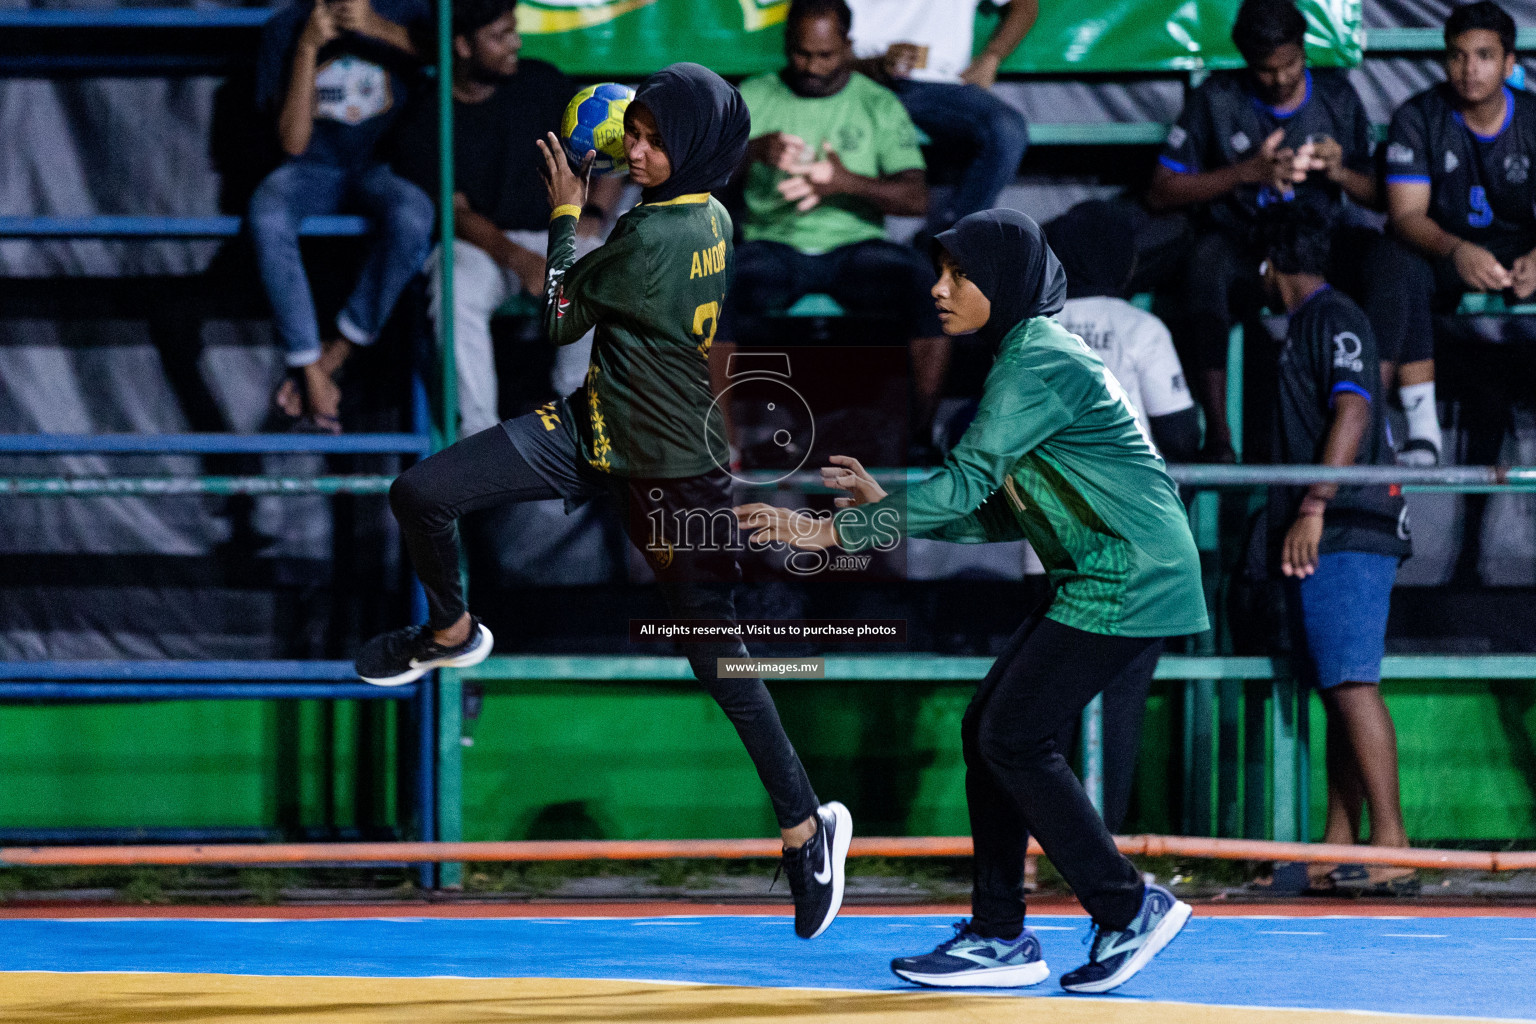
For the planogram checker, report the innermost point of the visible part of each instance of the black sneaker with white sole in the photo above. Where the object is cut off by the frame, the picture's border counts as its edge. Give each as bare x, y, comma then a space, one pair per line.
815, 870
405, 655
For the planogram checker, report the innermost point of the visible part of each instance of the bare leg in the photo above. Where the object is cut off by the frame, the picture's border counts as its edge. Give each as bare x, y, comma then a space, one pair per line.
1345, 795
1373, 738
322, 396
455, 634
796, 837
1421, 371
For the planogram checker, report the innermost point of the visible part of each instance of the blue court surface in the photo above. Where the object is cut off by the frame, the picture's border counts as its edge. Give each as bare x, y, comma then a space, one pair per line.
1468, 967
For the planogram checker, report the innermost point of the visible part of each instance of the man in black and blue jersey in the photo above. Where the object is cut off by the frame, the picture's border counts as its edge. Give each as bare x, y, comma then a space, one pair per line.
1460, 193
1274, 132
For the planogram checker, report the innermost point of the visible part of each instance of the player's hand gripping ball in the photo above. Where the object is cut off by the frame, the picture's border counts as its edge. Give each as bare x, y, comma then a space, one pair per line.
594, 120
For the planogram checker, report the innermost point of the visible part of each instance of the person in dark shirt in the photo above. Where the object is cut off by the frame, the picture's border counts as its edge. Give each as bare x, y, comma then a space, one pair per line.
639, 432
1275, 132
1460, 195
1337, 546
333, 75
502, 105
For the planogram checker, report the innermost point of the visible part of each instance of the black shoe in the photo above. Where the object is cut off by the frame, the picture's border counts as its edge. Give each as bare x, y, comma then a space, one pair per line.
404, 655
815, 870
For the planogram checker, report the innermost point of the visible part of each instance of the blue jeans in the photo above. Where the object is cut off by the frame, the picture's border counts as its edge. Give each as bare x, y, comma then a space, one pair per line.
969, 117
1339, 617
402, 214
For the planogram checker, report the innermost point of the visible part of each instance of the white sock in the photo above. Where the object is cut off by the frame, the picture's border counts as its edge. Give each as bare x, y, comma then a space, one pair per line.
1419, 406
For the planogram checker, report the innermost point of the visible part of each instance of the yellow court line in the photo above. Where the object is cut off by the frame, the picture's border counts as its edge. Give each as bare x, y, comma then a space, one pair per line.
59, 998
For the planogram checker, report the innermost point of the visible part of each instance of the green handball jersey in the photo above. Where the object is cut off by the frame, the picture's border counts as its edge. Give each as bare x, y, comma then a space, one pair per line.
1055, 457
653, 294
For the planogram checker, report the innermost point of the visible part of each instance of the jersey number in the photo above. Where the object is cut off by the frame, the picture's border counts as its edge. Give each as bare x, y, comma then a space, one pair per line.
1481, 214
709, 313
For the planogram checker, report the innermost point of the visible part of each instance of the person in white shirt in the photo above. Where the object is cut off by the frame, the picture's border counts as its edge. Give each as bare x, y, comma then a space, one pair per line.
1091, 241
925, 51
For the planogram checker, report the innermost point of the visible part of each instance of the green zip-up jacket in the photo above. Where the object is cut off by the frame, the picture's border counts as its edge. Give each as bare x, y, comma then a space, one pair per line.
1055, 456
654, 293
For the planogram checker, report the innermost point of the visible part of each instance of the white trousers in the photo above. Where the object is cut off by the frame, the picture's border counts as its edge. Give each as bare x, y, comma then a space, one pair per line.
480, 286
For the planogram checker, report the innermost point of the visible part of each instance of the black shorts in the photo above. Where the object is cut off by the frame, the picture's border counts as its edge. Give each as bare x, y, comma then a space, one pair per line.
683, 525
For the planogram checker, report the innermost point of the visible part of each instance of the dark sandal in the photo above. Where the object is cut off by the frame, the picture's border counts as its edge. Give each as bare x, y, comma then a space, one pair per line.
1349, 876
317, 423
1406, 885
1287, 878
309, 421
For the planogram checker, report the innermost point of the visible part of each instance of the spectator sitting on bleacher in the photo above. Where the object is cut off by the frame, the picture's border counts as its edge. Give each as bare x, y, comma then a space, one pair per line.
502, 105
1462, 200
923, 50
334, 74
1246, 140
1089, 240
832, 153
1338, 546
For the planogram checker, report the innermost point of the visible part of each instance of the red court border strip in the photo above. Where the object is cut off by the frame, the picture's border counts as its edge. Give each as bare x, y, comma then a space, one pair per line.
1057, 905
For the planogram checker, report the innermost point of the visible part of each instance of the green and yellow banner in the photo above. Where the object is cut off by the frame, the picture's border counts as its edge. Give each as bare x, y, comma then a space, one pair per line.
630, 38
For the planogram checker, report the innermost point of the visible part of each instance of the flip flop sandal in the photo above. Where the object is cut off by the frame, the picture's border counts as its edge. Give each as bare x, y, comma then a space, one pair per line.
317, 423
1349, 876
308, 422
1287, 878
1402, 885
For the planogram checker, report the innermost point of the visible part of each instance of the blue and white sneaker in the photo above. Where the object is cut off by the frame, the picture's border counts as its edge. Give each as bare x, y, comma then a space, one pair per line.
966, 960
1116, 956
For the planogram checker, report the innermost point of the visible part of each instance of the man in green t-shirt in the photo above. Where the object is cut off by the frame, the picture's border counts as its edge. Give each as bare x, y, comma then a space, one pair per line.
832, 153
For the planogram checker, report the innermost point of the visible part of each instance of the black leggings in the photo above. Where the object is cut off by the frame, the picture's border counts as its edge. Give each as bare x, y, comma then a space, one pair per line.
487, 469
1017, 782
1125, 706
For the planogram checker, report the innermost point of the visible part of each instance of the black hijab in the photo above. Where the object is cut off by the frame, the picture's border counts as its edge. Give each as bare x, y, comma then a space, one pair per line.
1005, 254
704, 125
1093, 242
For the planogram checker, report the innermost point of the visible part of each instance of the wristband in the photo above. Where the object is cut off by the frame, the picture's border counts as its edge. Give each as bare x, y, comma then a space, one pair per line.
565, 210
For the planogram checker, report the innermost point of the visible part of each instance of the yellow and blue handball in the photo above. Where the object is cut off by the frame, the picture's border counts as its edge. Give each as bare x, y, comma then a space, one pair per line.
594, 120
